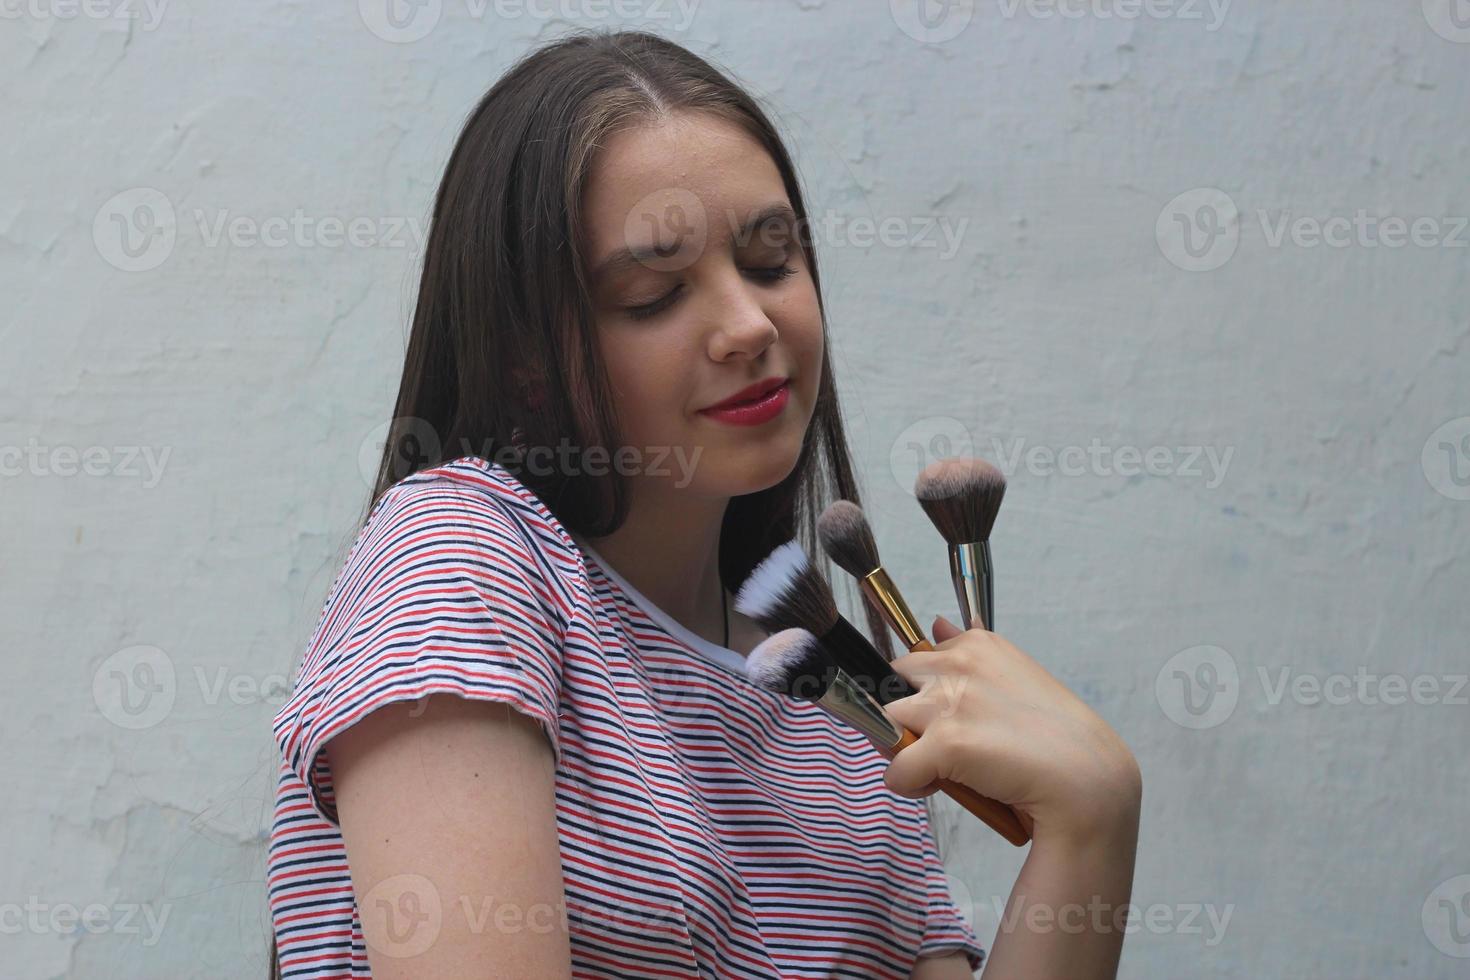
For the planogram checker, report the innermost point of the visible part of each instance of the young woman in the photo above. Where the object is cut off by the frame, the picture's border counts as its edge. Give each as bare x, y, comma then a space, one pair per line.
520, 743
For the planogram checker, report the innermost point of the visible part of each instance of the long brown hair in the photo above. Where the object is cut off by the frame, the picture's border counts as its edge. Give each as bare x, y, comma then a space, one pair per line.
504, 296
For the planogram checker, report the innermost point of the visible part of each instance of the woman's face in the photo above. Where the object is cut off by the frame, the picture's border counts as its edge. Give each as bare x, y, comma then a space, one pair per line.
693, 306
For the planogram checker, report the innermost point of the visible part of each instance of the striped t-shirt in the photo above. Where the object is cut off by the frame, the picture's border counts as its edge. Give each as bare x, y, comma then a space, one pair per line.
707, 827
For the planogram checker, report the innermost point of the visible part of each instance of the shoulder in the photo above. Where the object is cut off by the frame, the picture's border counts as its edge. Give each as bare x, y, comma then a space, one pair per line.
475, 516
479, 491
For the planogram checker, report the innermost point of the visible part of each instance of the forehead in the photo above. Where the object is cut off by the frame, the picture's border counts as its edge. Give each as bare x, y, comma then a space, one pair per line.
686, 161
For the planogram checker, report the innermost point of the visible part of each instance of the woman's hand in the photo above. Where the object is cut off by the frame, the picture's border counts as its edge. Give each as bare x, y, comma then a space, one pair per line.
992, 718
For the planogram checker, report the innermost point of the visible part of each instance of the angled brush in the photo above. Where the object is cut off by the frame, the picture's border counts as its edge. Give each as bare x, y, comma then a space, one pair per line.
786, 590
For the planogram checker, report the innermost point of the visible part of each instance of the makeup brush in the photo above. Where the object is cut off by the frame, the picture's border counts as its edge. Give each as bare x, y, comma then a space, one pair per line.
962, 495
848, 539
795, 663
786, 590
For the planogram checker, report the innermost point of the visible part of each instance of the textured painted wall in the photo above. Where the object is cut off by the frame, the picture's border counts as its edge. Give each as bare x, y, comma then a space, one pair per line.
1193, 274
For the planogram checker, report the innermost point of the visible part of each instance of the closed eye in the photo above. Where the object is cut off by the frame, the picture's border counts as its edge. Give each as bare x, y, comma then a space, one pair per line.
769, 275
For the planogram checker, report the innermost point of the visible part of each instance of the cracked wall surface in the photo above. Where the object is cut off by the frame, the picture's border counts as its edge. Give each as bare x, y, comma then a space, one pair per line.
1140, 255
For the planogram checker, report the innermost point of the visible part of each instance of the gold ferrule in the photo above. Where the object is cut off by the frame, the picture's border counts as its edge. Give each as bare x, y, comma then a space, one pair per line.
883, 594
845, 699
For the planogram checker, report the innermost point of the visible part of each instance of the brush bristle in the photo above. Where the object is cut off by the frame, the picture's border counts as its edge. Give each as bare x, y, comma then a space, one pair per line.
785, 590
848, 539
962, 496
791, 662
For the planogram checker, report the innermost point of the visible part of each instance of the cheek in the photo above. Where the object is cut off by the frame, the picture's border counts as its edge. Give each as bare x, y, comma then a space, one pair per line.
808, 348
649, 381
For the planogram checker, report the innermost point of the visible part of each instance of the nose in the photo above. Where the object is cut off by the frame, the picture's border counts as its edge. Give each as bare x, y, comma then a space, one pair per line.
742, 328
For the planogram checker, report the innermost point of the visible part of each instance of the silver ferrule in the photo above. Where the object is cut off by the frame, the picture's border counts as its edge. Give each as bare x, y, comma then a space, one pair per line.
845, 699
969, 567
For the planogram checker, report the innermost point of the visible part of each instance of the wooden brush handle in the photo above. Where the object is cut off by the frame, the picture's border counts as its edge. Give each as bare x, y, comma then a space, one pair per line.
999, 817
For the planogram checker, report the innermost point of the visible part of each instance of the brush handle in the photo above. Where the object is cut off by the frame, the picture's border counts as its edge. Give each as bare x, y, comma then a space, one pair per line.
999, 817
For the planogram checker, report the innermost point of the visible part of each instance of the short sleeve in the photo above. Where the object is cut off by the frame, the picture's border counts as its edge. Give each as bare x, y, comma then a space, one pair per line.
449, 588
946, 928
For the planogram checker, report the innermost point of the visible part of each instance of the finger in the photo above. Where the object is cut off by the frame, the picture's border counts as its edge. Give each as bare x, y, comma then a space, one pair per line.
912, 771
918, 666
944, 630
913, 712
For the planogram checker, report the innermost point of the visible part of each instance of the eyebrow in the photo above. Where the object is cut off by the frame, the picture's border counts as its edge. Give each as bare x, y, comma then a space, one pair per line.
625, 259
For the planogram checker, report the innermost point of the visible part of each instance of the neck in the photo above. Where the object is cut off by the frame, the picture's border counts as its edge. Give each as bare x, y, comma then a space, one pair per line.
669, 550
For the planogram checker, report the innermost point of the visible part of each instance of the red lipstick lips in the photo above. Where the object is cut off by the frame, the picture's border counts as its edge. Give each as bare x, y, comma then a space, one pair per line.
754, 405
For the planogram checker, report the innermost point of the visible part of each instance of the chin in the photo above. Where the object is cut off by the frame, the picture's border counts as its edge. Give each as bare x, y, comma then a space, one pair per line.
755, 469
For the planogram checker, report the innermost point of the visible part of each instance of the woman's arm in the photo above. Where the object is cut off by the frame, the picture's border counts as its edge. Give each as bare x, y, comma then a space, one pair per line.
447, 808
947, 966
1067, 910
